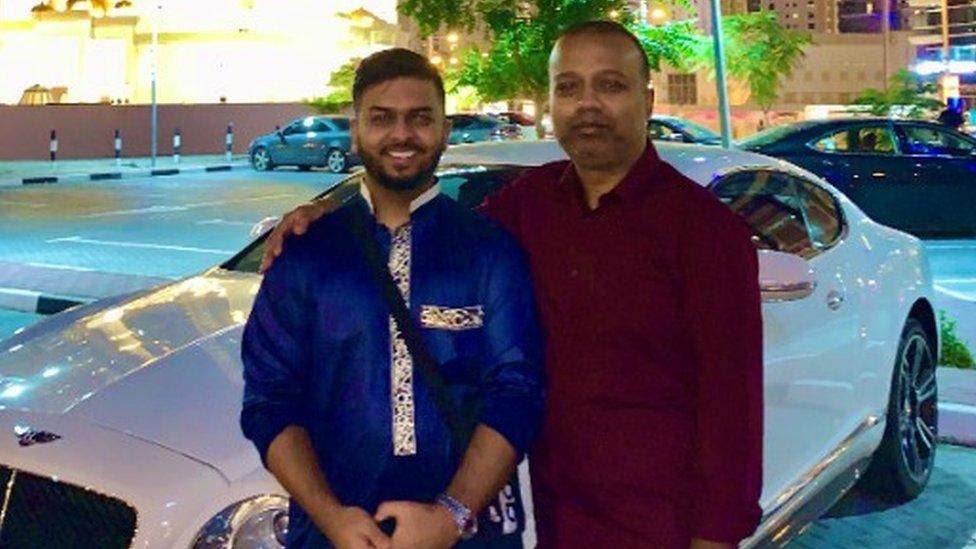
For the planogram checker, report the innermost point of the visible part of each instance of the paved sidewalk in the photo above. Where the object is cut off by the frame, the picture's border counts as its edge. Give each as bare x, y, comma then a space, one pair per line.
26, 172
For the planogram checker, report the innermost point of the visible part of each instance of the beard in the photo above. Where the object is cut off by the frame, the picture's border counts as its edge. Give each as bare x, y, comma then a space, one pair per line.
373, 164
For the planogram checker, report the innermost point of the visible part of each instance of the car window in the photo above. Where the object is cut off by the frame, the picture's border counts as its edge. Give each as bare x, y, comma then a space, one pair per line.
865, 139
771, 204
698, 131
320, 126
295, 127
469, 186
484, 122
657, 130
341, 124
927, 140
460, 122
821, 212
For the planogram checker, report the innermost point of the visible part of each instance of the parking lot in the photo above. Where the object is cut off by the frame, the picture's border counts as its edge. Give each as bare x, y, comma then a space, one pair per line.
164, 228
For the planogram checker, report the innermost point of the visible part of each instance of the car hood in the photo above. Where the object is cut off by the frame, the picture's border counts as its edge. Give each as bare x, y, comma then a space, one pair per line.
162, 366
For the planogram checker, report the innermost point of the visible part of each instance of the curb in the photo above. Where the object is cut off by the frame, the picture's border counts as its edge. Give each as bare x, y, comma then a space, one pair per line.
36, 302
957, 424
102, 176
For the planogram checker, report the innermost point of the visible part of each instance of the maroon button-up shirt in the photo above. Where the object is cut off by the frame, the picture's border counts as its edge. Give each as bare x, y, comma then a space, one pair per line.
651, 311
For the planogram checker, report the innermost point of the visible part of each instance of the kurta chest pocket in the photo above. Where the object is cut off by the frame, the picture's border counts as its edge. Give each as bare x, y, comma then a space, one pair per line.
455, 319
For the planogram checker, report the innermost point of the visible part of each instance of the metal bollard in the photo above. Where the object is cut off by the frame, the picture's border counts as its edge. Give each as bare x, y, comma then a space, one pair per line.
118, 148
54, 146
177, 142
230, 140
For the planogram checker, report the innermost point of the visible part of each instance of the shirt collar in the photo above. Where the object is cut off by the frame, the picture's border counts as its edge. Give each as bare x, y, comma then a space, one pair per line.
638, 179
415, 204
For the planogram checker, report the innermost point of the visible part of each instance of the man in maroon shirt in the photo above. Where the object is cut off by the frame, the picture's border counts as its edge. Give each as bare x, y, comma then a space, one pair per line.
648, 291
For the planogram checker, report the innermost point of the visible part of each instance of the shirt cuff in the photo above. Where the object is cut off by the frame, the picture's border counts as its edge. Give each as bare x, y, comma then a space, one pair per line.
264, 425
515, 417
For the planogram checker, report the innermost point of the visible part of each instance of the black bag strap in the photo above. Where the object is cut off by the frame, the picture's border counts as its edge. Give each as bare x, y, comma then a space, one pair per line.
429, 368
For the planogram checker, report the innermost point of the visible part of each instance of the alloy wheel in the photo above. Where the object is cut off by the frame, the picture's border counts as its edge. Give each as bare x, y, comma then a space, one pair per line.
917, 407
336, 161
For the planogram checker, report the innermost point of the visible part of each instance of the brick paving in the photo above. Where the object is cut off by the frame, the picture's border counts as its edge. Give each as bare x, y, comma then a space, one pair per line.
943, 517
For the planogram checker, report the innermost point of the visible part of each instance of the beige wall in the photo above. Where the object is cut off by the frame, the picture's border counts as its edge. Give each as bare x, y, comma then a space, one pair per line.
837, 67
87, 131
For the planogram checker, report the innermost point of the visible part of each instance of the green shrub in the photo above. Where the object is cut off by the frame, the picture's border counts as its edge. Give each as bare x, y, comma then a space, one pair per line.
954, 350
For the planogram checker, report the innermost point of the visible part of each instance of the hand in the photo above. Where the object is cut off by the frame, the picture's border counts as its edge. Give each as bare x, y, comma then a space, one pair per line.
353, 528
296, 222
419, 525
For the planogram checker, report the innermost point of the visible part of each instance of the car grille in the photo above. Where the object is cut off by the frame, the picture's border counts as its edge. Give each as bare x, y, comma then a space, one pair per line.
41, 512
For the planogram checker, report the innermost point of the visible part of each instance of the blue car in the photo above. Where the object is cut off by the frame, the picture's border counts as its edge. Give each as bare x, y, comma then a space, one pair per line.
312, 141
919, 177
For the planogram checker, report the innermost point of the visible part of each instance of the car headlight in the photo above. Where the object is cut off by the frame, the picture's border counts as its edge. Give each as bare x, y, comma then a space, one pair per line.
260, 522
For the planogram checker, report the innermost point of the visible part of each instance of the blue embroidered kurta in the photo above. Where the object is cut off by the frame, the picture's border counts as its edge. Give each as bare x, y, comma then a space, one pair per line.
320, 351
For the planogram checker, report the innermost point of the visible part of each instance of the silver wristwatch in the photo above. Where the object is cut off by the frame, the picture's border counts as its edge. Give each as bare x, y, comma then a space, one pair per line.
466, 521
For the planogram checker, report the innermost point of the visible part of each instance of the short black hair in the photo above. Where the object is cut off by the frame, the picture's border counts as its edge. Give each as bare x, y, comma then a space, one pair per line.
602, 27
390, 64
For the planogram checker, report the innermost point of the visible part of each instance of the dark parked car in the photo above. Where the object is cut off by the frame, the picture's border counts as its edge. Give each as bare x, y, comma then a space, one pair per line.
472, 128
916, 176
679, 130
322, 141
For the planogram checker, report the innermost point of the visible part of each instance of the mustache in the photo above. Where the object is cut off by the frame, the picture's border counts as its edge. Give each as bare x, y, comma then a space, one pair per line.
590, 122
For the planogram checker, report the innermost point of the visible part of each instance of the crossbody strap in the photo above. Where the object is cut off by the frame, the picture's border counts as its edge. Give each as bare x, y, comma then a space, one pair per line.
429, 368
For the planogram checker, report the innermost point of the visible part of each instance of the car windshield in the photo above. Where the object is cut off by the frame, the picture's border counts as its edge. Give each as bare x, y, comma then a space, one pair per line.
467, 184
770, 136
341, 123
697, 131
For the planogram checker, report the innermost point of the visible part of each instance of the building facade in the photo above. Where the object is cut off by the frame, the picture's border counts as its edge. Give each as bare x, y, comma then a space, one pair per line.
229, 51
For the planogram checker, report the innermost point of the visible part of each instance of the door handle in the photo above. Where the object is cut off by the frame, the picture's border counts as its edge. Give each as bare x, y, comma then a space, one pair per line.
834, 300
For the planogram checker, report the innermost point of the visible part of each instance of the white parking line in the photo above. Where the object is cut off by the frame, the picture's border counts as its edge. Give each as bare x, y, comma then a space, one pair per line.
62, 267
79, 240
34, 205
184, 207
224, 222
951, 293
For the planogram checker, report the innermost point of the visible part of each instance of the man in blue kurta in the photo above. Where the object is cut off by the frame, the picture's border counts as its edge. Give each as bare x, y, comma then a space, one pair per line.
332, 400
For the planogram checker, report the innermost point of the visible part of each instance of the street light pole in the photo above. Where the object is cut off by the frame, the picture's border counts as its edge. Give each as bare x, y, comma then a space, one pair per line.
152, 85
886, 30
723, 98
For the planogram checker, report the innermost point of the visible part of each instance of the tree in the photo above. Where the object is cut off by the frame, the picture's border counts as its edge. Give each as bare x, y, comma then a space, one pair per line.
340, 98
907, 95
521, 34
761, 52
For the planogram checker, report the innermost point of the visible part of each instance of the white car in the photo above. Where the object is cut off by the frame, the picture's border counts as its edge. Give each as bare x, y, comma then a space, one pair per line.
119, 421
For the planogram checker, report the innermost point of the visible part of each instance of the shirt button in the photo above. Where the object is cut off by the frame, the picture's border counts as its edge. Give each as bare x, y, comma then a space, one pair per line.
574, 273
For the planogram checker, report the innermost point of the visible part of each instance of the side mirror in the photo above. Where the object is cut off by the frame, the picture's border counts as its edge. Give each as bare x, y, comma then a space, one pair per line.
263, 226
784, 277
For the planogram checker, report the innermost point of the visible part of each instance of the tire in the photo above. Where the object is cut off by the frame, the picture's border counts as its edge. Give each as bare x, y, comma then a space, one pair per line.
336, 161
261, 160
902, 464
